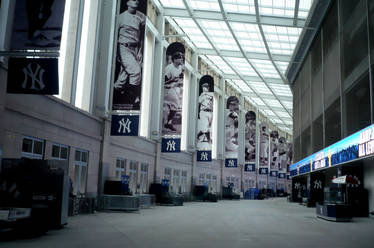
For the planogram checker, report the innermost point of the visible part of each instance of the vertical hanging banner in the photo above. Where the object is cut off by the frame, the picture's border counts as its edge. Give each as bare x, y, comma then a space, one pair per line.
289, 162
129, 59
282, 164
173, 98
204, 119
250, 145
274, 160
129, 65
250, 137
231, 132
263, 171
37, 24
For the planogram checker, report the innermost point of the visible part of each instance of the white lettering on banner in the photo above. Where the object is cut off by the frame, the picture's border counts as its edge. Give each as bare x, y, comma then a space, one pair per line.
366, 148
297, 185
125, 126
35, 76
231, 163
204, 156
170, 145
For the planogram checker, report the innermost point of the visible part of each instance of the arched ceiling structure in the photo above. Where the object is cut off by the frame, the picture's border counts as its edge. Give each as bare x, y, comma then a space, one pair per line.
249, 42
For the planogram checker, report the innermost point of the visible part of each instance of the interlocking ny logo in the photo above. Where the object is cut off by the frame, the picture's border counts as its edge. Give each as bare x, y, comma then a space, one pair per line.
125, 126
318, 184
204, 156
170, 145
263, 171
35, 76
231, 163
297, 185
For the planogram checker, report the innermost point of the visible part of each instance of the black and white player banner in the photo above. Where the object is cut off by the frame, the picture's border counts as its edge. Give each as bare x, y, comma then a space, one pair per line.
264, 145
173, 98
33, 76
274, 153
250, 137
204, 119
129, 65
37, 24
124, 125
231, 131
282, 153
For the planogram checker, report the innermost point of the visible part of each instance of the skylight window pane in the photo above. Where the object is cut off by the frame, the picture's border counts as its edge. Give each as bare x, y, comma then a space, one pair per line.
282, 114
220, 34
221, 64
249, 36
205, 4
242, 86
273, 102
195, 35
258, 101
242, 66
239, 6
172, 3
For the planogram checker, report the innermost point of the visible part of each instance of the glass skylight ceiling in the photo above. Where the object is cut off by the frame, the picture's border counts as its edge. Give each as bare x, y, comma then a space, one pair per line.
242, 40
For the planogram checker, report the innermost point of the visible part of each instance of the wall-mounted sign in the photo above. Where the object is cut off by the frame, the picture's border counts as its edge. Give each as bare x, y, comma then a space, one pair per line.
355, 146
250, 167
33, 76
124, 125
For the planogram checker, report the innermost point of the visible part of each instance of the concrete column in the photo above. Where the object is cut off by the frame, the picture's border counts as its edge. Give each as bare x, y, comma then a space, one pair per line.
192, 106
157, 82
104, 59
221, 131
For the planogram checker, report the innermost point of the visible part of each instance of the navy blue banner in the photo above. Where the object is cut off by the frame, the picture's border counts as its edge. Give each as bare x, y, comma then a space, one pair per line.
124, 125
250, 167
282, 175
171, 145
231, 162
165, 182
274, 173
293, 173
304, 169
204, 156
263, 171
33, 76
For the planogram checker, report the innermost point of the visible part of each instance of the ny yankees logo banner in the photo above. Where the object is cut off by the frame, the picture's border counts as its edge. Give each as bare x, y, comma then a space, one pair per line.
204, 119
250, 138
129, 58
33, 76
282, 164
173, 98
37, 25
231, 131
124, 125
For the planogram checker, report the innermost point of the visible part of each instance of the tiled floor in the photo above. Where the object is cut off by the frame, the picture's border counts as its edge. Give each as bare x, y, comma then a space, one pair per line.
244, 223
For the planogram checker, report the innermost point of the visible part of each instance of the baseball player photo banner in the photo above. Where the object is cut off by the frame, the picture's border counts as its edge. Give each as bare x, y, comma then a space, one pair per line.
33, 76
124, 125
173, 98
250, 137
231, 131
274, 157
282, 155
264, 145
204, 119
129, 58
37, 24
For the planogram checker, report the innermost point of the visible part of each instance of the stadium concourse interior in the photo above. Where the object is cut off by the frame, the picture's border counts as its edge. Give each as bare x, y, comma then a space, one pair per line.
122, 105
